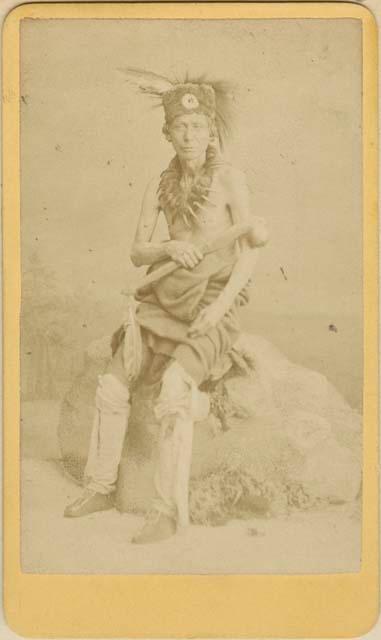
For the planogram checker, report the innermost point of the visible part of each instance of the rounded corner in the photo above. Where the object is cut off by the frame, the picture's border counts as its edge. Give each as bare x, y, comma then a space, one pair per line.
13, 624
366, 16
14, 14
369, 624
18, 13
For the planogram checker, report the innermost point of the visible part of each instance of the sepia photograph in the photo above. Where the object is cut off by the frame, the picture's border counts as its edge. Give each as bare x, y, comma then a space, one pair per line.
191, 348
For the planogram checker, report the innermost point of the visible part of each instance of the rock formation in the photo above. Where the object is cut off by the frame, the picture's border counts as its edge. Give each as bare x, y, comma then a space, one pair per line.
279, 437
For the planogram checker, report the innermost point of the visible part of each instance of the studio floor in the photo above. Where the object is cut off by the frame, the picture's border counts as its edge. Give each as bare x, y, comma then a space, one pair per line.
324, 541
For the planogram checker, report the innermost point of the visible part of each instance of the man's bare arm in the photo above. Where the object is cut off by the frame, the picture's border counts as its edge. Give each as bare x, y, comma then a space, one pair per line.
243, 269
144, 251
241, 211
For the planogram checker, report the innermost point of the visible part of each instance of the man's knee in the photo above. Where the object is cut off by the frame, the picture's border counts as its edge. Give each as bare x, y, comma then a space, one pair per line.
112, 396
180, 395
176, 381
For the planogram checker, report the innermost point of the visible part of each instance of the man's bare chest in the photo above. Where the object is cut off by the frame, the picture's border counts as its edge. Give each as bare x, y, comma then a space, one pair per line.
212, 217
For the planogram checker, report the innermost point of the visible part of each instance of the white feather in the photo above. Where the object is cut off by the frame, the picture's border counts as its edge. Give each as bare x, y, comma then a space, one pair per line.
146, 81
133, 347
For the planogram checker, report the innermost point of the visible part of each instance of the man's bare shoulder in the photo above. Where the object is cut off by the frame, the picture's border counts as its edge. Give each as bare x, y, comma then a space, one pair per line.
153, 183
231, 177
151, 196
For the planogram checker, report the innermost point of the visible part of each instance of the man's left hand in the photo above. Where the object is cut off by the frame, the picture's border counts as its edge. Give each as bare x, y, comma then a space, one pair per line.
206, 320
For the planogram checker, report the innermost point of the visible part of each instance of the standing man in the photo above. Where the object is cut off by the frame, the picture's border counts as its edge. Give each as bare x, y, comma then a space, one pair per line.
188, 319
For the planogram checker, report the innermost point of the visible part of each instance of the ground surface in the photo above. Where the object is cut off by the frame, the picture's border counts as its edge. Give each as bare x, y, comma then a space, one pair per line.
303, 542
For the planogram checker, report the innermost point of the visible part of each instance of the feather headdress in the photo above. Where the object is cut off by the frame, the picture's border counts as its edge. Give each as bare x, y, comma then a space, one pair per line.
214, 98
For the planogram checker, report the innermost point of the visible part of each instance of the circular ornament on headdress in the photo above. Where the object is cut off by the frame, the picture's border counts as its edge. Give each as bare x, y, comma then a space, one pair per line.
189, 101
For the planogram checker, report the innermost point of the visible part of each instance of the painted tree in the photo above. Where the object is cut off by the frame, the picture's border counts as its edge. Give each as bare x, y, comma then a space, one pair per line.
49, 332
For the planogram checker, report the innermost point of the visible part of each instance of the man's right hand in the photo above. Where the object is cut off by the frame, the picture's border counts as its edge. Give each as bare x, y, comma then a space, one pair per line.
183, 253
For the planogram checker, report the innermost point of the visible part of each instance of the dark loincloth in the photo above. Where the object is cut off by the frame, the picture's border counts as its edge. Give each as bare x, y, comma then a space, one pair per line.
168, 308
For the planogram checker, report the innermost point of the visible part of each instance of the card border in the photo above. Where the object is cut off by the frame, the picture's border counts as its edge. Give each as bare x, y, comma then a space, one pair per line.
247, 606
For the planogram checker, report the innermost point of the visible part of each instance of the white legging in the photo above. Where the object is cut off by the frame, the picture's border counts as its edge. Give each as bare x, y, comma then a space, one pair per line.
108, 433
180, 403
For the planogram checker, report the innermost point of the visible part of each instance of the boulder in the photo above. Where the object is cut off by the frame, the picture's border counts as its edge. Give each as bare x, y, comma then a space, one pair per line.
279, 437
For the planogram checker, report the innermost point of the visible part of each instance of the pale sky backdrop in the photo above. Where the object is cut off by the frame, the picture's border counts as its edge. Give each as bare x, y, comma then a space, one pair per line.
90, 144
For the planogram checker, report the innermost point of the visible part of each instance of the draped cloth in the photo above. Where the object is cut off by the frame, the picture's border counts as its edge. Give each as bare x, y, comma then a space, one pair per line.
168, 307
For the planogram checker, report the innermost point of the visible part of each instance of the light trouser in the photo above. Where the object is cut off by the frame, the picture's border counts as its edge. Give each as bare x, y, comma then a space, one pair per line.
180, 403
108, 433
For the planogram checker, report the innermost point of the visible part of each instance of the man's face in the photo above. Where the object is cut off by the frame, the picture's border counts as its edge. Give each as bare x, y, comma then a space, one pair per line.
190, 135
